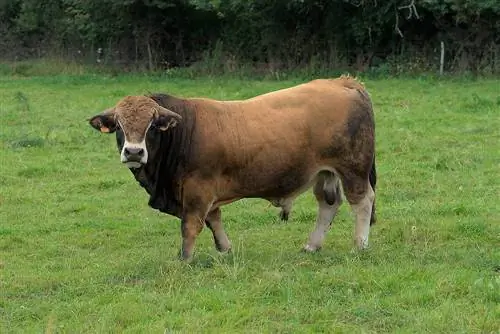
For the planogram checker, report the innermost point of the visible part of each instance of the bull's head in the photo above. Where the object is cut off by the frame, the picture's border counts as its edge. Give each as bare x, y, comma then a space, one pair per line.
135, 119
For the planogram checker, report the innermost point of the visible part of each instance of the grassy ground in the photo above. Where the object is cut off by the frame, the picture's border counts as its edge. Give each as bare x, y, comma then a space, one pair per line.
80, 251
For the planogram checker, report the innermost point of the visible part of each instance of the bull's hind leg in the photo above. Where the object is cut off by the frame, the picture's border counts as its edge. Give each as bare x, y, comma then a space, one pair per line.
329, 196
214, 222
361, 196
286, 208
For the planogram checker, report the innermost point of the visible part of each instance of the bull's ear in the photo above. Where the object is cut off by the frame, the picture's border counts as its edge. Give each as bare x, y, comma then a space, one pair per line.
165, 119
104, 122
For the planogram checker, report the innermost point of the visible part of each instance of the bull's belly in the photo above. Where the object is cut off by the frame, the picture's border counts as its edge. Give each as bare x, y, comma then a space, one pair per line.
277, 185
280, 199
278, 193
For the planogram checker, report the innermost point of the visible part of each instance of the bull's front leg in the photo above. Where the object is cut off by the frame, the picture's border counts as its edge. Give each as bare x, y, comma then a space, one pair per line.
214, 222
191, 226
197, 201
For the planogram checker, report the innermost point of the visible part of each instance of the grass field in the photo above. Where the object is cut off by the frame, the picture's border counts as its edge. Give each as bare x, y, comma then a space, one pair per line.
81, 252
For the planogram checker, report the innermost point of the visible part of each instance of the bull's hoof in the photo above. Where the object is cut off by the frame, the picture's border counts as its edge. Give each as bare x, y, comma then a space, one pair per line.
361, 243
310, 249
223, 249
222, 244
284, 215
225, 253
185, 257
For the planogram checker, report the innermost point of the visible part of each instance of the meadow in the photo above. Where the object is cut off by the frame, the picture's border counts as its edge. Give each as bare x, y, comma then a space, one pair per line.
81, 251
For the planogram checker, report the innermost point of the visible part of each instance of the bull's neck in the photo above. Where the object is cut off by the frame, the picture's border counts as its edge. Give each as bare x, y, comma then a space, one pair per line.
161, 176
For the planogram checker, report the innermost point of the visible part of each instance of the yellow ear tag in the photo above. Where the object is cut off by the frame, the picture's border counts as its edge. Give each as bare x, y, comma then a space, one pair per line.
104, 129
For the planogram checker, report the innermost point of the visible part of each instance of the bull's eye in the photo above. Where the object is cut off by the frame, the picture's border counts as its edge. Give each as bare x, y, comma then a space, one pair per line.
153, 126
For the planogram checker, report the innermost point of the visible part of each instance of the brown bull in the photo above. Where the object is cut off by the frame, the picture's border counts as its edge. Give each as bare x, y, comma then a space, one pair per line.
194, 155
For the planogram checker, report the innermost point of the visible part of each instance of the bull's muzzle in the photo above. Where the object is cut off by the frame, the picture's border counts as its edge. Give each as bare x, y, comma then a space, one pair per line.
134, 156
133, 153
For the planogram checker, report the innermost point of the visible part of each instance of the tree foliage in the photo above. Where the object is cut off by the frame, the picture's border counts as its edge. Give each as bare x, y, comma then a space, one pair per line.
277, 34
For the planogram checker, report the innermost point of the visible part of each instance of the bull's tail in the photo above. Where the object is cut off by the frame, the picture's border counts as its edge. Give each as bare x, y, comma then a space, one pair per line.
354, 83
373, 182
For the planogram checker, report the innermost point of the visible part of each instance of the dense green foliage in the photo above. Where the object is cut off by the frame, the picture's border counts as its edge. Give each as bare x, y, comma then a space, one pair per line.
81, 252
392, 35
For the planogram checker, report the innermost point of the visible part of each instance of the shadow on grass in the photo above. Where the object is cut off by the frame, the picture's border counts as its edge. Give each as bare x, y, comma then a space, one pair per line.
27, 142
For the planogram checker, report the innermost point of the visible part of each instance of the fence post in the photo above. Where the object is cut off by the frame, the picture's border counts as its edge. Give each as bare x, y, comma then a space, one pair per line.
441, 61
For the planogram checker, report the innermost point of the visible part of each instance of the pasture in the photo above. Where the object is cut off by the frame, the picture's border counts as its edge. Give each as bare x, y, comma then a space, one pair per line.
81, 252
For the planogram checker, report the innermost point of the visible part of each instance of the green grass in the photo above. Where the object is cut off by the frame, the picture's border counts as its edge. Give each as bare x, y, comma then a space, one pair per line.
80, 250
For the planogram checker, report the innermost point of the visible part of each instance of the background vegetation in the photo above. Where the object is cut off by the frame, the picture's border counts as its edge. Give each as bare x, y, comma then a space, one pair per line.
392, 36
81, 252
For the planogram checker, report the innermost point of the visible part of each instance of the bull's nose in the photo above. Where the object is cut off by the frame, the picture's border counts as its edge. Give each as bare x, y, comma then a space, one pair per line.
133, 153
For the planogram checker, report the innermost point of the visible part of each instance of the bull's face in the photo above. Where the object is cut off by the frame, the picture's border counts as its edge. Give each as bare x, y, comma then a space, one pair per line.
134, 119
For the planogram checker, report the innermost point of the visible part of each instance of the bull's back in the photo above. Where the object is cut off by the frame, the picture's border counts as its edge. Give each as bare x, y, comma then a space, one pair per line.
305, 118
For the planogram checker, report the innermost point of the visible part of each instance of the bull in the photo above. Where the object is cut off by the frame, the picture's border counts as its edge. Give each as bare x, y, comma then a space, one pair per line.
194, 155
